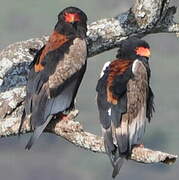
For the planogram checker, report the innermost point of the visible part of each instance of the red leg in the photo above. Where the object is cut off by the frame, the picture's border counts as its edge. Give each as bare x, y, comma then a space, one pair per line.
138, 145
64, 117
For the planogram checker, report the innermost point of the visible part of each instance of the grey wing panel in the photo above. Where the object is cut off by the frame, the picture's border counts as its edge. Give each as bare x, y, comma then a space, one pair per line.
120, 122
137, 102
64, 99
39, 104
137, 127
71, 63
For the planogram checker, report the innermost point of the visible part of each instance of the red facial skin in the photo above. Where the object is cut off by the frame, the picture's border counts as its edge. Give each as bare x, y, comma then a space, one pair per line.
141, 51
72, 17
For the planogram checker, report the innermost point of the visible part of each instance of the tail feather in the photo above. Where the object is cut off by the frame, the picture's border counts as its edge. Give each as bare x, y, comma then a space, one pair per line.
22, 122
117, 166
109, 145
122, 137
121, 134
37, 132
108, 139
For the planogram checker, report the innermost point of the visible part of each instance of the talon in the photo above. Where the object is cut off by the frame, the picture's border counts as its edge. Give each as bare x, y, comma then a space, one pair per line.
141, 145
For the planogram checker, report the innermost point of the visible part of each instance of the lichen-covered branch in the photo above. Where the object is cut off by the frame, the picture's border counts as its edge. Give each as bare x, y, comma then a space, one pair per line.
73, 132
143, 18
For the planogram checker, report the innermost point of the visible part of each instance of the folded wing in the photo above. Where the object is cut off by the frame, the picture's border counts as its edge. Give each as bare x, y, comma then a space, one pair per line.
53, 81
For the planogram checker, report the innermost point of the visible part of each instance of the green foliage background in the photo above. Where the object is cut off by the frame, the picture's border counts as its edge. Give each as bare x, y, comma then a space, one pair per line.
52, 157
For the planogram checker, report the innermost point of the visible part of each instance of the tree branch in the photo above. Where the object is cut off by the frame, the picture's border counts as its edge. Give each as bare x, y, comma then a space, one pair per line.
73, 132
143, 18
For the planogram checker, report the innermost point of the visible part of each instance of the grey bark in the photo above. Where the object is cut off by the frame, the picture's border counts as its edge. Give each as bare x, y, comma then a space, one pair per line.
145, 17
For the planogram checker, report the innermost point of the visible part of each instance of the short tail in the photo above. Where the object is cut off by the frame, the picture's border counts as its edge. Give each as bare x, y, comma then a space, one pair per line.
108, 143
22, 122
37, 132
117, 166
121, 134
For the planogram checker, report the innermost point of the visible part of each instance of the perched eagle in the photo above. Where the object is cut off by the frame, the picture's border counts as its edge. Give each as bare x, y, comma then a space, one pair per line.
56, 72
125, 100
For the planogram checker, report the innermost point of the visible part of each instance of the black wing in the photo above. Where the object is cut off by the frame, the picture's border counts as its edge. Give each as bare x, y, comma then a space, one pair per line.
46, 108
111, 111
53, 89
104, 111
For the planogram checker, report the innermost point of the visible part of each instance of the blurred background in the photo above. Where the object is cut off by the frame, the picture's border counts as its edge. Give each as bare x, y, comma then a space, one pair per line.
54, 158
